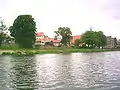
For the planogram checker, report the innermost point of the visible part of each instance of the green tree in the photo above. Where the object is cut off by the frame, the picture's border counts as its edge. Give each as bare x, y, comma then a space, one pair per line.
102, 40
12, 32
77, 43
66, 35
88, 38
115, 42
23, 30
3, 28
94, 39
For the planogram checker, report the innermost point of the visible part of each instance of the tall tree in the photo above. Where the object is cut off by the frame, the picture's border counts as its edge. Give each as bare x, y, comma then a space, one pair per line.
3, 28
115, 42
88, 38
12, 32
66, 35
23, 30
102, 39
94, 39
77, 43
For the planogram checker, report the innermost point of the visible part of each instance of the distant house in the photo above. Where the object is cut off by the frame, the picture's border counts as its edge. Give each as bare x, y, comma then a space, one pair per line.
118, 43
41, 39
111, 42
74, 38
55, 42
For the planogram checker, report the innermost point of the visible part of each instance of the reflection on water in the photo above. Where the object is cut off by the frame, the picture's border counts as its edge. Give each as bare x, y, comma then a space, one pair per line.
23, 73
53, 71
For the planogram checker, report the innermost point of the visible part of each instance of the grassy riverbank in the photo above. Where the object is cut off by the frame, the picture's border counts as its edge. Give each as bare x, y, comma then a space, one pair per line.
19, 51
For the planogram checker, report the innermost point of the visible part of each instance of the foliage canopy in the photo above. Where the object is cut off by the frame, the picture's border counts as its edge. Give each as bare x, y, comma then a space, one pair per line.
66, 35
23, 30
94, 39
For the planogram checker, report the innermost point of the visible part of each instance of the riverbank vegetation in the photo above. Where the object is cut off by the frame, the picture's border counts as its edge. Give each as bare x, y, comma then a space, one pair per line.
54, 50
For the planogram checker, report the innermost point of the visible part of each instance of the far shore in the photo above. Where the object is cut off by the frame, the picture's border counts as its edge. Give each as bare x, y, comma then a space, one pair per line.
51, 50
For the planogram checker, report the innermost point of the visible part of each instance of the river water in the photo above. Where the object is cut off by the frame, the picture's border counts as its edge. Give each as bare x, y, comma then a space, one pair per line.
76, 71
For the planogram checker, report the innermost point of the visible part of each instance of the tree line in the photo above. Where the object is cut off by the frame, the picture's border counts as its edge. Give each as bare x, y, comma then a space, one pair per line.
24, 28
92, 39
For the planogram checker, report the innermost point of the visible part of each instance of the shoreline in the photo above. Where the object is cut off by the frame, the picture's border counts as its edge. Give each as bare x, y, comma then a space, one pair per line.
22, 52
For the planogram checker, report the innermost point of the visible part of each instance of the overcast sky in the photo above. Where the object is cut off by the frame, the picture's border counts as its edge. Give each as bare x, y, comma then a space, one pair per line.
79, 15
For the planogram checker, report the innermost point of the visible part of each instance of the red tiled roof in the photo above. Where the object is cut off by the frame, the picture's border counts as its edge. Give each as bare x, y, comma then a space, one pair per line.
51, 39
39, 34
74, 38
56, 41
43, 39
48, 40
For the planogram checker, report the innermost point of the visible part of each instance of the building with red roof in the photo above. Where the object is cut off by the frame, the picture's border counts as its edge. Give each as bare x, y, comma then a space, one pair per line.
41, 39
39, 34
74, 38
55, 42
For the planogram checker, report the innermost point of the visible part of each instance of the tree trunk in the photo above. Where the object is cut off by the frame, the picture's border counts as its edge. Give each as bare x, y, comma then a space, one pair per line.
0, 43
88, 45
102, 46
